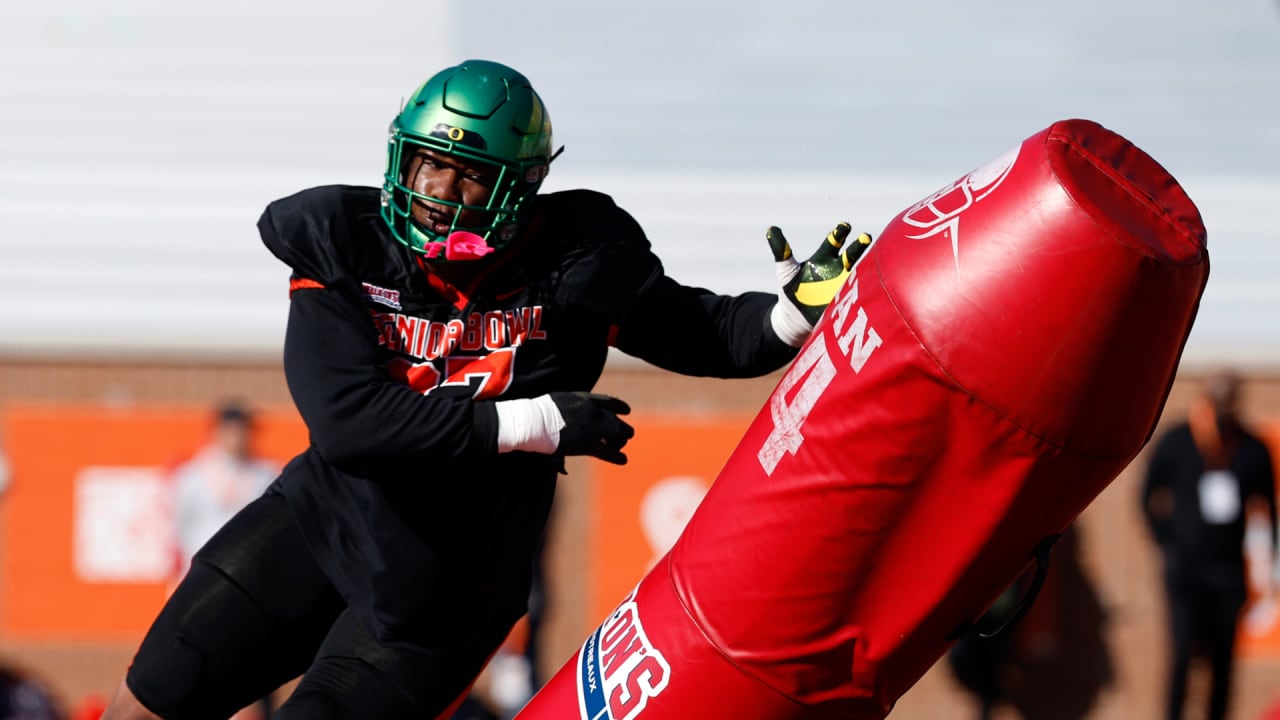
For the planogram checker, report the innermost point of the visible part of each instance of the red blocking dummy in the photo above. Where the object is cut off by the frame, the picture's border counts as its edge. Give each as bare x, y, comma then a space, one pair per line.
1001, 353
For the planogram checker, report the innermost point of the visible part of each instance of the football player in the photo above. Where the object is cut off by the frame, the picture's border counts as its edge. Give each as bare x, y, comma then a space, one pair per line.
444, 334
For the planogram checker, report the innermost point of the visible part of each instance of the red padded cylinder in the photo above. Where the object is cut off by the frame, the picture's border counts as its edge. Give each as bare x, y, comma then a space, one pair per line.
1002, 351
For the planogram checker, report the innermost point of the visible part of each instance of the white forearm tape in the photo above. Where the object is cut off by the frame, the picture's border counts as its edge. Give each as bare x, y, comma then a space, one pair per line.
532, 425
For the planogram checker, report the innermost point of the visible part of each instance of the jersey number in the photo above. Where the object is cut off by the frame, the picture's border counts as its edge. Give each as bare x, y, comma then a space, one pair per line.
812, 372
490, 374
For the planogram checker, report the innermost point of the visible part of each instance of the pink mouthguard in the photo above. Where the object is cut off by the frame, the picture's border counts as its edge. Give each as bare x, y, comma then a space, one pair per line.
463, 245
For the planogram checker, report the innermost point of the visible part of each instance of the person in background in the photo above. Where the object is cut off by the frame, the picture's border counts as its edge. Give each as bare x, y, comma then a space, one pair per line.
217, 481
445, 333
1206, 476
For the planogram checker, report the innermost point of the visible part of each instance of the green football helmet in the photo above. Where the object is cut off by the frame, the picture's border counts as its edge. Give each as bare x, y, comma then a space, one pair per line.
477, 112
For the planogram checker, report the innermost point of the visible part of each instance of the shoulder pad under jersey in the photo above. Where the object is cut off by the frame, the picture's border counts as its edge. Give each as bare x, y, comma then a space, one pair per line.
607, 260
322, 232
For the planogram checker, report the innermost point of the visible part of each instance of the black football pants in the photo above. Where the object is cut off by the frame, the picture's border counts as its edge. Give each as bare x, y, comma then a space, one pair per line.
255, 612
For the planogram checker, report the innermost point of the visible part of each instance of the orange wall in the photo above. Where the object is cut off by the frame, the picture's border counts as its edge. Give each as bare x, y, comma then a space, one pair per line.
640, 508
50, 447
81, 632
636, 510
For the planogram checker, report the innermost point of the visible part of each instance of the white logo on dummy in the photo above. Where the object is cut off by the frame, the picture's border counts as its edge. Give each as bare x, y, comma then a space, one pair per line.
619, 669
939, 214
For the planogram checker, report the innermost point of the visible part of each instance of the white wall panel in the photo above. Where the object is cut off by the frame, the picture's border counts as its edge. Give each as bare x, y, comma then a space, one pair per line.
140, 139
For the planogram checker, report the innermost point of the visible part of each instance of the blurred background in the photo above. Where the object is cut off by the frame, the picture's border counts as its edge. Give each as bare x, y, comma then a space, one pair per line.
140, 140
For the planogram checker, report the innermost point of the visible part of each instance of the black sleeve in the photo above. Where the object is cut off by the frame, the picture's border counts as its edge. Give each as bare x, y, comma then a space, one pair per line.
694, 331
355, 411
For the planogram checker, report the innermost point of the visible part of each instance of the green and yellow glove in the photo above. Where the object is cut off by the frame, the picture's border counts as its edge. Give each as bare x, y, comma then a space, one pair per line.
807, 288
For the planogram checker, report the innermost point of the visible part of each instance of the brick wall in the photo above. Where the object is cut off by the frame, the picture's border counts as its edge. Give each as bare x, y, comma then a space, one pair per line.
1114, 554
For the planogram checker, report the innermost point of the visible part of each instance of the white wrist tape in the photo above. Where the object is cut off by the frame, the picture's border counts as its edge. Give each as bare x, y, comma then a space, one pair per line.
789, 323
785, 270
532, 425
787, 320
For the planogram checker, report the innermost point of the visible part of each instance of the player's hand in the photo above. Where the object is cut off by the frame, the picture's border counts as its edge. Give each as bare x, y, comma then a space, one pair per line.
807, 288
592, 426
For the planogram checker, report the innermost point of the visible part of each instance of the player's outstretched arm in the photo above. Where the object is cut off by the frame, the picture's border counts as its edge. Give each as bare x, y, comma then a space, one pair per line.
805, 289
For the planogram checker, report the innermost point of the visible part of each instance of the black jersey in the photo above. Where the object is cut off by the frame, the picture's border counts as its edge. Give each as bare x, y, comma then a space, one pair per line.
1199, 547
402, 495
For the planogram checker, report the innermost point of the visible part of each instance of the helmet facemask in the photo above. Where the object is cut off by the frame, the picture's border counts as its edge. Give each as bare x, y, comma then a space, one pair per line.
483, 115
